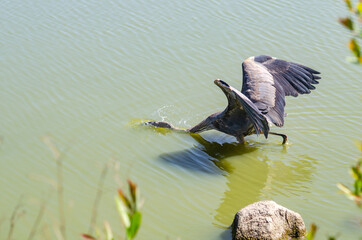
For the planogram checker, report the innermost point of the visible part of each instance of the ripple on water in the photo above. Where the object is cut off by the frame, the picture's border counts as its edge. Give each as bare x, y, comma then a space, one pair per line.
82, 70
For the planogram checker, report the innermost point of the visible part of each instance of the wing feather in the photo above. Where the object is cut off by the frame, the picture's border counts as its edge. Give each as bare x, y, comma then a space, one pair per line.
267, 80
257, 118
237, 101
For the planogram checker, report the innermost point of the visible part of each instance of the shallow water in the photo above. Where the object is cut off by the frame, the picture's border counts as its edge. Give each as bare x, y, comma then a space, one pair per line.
83, 71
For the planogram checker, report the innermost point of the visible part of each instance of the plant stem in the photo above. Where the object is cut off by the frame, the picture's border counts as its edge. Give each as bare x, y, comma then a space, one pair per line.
13, 218
39, 217
61, 197
58, 158
97, 199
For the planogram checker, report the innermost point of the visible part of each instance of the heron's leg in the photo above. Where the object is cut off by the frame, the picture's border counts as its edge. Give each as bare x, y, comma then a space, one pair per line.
285, 137
240, 139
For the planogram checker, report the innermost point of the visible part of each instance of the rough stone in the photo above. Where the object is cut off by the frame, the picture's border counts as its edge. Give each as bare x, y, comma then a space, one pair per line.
267, 220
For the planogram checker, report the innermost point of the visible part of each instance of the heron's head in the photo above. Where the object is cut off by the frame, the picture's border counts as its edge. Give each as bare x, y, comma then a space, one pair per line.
221, 83
226, 88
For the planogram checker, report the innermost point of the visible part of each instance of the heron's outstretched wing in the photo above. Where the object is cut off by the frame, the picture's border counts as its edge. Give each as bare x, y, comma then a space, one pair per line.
257, 118
267, 80
238, 101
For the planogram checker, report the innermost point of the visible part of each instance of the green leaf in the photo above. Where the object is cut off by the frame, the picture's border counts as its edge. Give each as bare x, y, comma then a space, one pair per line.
311, 233
124, 198
135, 224
123, 212
349, 4
359, 8
132, 189
358, 188
355, 174
347, 22
353, 45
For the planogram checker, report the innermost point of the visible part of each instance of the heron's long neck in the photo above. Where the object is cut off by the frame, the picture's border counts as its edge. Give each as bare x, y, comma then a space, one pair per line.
205, 125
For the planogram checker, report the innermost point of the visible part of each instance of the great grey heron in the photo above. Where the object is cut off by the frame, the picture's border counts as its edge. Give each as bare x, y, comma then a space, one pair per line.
266, 82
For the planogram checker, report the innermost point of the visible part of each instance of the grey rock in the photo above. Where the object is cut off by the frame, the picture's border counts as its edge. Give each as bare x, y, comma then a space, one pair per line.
267, 220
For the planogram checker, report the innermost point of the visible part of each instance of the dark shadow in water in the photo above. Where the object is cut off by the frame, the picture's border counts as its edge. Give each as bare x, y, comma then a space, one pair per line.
206, 157
227, 234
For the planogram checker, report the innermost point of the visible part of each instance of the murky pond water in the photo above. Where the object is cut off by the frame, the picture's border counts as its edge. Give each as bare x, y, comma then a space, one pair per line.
83, 71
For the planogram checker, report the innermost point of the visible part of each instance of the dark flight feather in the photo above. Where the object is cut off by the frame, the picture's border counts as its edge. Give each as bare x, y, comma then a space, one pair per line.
257, 118
267, 80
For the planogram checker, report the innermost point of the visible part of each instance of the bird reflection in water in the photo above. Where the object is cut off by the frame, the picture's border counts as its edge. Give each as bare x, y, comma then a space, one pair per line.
207, 157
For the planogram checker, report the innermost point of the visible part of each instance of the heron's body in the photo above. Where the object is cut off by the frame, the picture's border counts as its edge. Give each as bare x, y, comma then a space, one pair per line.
261, 101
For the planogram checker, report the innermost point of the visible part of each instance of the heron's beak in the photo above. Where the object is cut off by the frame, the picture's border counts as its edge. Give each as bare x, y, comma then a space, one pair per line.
221, 84
226, 88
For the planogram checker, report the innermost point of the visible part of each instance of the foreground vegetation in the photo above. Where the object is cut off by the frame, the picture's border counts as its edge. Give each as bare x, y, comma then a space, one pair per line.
128, 204
129, 211
353, 24
354, 193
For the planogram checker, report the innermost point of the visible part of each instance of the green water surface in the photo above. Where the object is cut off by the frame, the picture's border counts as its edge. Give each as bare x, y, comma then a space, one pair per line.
83, 71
